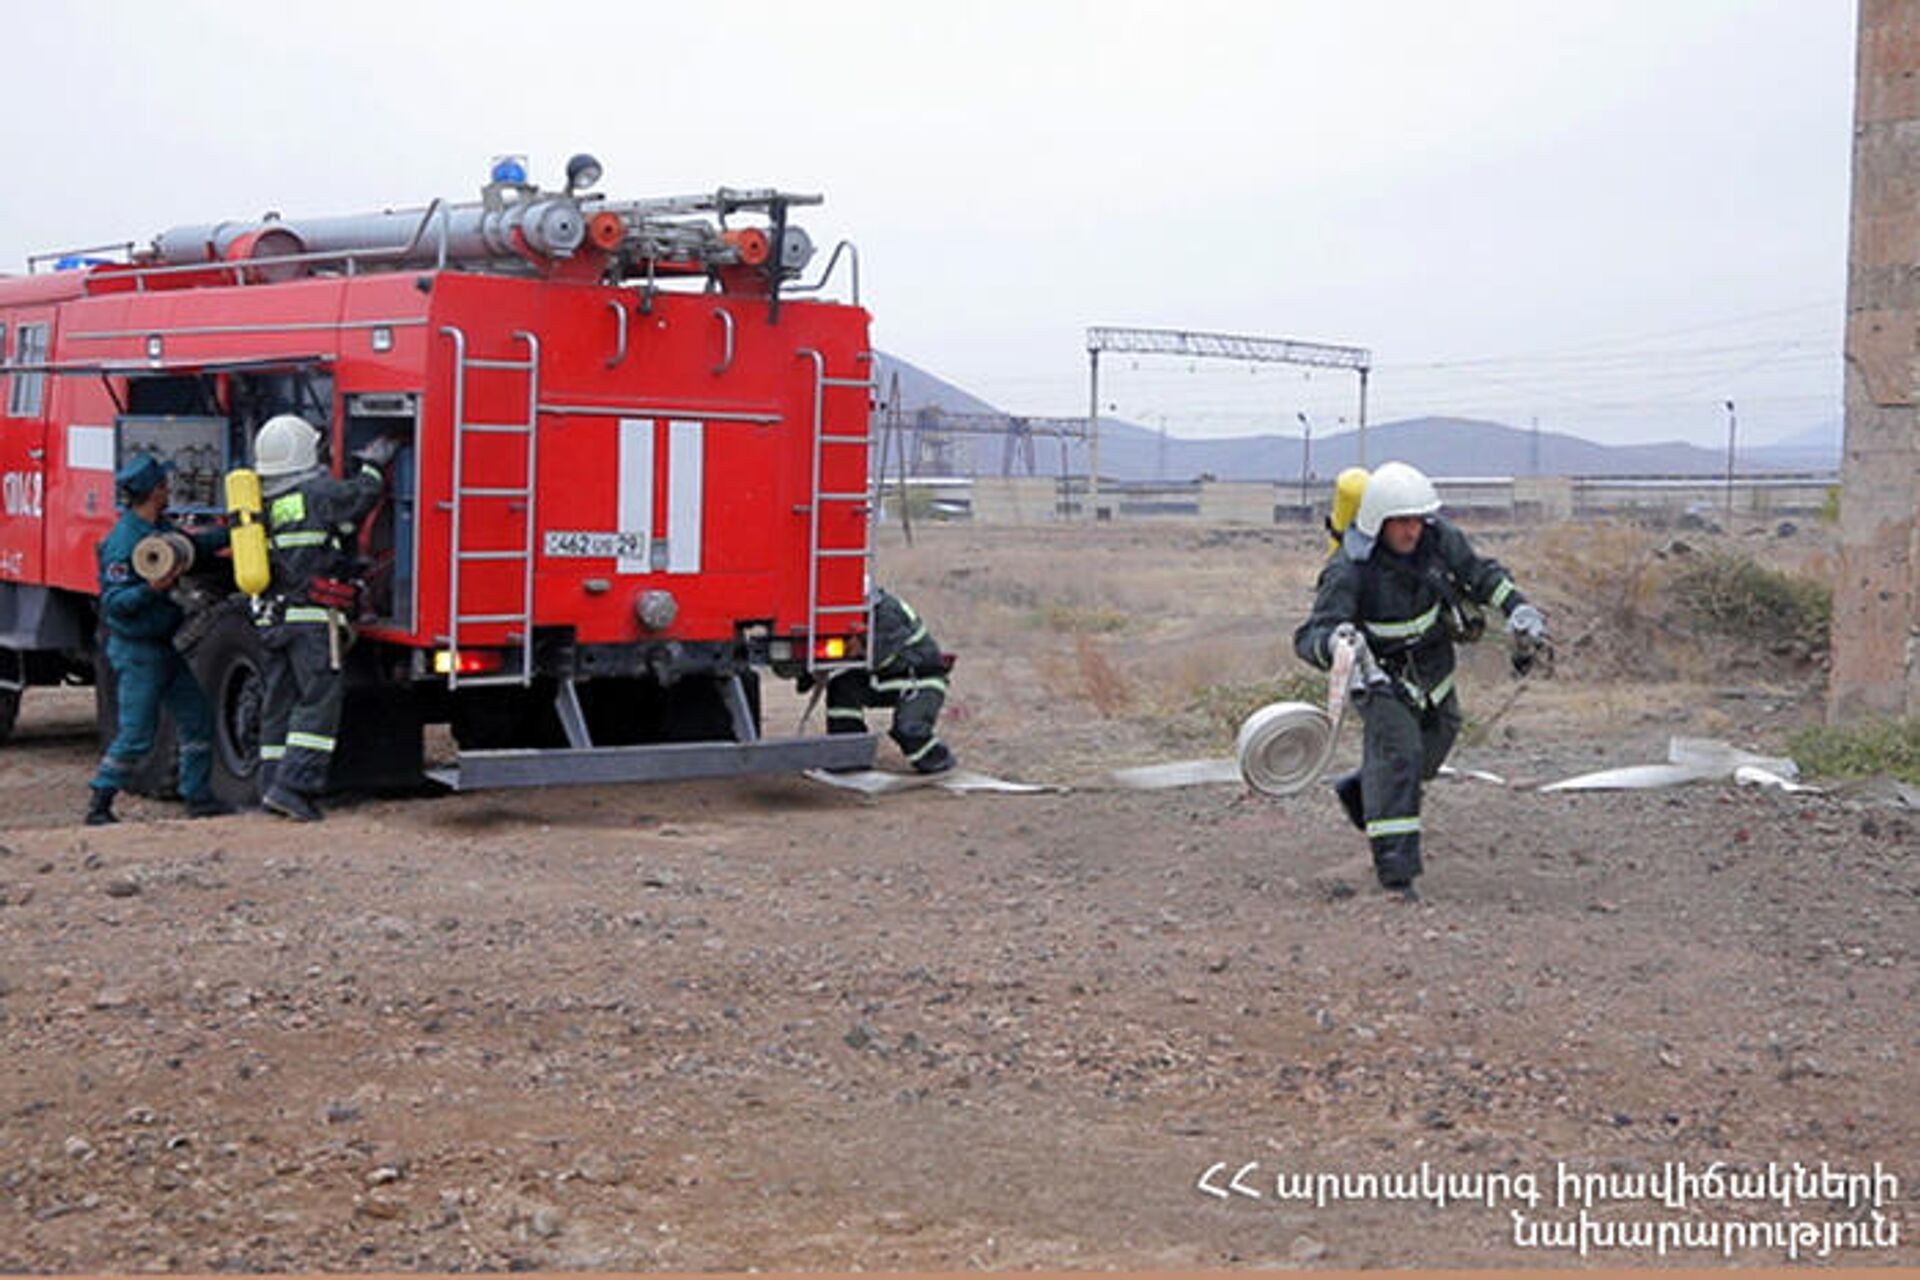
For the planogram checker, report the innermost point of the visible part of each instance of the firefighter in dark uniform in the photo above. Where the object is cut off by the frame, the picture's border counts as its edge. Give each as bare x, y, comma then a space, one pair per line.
1406, 584
140, 620
907, 672
306, 610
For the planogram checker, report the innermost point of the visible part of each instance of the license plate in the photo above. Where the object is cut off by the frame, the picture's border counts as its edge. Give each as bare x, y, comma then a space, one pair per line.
593, 544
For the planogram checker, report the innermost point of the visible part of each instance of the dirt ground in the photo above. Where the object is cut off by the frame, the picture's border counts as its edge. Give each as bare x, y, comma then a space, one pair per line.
770, 1024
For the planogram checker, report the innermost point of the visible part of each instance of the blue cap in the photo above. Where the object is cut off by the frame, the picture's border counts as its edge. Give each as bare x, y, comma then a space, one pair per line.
141, 475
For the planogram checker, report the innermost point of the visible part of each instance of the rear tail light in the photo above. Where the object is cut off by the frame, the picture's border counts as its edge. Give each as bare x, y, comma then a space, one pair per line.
467, 662
831, 649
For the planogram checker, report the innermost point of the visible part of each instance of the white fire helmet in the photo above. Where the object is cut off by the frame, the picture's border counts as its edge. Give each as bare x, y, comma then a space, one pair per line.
287, 445
1394, 489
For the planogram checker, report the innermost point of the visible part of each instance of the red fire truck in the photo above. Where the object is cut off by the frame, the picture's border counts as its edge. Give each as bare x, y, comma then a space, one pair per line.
633, 470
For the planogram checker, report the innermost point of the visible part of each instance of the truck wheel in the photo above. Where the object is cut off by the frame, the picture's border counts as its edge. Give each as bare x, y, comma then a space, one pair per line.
9, 712
227, 660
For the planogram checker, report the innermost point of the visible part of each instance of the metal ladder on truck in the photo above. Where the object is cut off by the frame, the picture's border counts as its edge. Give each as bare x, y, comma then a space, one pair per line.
818, 612
460, 555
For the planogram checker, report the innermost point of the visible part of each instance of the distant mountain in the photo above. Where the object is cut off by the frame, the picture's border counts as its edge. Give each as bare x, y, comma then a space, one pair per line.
922, 390
1439, 446
1817, 448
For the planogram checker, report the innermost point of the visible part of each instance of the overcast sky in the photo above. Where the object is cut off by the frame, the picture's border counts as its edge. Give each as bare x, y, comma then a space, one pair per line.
1611, 216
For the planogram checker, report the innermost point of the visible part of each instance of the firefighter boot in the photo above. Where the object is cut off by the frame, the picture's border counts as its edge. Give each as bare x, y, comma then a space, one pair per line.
1346, 788
207, 806
936, 757
100, 807
289, 803
1396, 861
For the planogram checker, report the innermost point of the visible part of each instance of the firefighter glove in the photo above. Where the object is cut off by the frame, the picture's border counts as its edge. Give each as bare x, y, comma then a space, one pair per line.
1345, 636
378, 451
1527, 621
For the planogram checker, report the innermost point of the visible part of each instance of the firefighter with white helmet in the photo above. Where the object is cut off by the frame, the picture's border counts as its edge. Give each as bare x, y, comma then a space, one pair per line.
1406, 584
305, 610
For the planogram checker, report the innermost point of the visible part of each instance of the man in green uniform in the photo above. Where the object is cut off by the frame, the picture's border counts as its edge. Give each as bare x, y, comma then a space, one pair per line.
907, 672
140, 620
1405, 584
304, 613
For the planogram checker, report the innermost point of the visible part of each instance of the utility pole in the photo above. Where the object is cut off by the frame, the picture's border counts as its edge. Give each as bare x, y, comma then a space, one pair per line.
1093, 432
1731, 420
1306, 456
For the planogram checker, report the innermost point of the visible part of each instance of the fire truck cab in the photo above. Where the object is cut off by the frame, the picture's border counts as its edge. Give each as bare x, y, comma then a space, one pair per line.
632, 471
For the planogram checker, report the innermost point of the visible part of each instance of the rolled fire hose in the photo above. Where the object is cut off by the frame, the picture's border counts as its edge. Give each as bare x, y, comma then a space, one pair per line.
159, 556
1284, 746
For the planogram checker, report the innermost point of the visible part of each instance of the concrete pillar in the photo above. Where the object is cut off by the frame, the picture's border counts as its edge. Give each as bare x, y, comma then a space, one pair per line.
1874, 621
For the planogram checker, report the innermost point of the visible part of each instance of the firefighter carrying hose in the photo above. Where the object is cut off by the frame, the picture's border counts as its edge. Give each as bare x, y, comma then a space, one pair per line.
305, 613
141, 618
908, 673
1405, 585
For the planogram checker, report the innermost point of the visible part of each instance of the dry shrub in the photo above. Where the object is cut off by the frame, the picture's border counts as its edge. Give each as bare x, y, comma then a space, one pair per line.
1105, 686
1732, 595
1222, 707
1079, 619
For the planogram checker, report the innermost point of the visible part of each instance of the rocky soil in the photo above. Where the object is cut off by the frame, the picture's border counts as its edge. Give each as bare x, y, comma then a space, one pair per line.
767, 1023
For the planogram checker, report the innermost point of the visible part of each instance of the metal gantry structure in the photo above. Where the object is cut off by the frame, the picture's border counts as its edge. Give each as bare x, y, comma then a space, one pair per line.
1209, 346
1017, 431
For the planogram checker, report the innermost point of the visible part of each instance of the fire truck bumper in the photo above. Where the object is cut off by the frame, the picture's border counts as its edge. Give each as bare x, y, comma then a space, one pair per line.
662, 762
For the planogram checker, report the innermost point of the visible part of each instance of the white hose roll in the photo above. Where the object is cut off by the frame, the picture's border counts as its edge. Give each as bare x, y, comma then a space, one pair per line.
1284, 746
159, 556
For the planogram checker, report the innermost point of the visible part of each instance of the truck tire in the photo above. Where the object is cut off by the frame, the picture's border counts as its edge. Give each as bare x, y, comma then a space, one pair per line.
227, 660
9, 712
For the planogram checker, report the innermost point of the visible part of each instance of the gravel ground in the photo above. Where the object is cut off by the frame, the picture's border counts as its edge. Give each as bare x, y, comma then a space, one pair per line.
765, 1023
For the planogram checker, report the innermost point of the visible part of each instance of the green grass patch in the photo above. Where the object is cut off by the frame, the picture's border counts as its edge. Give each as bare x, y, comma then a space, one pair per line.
1869, 749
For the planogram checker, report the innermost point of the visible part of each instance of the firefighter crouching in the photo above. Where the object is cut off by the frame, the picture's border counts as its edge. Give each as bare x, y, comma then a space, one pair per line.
908, 673
306, 610
140, 619
1406, 584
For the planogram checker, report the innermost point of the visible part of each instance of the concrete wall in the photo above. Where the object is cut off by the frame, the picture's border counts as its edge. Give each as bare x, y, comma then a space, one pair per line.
1015, 500
1027, 500
1241, 502
1874, 671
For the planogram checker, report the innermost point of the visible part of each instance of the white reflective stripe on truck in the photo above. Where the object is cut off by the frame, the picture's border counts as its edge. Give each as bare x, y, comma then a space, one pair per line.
636, 491
686, 494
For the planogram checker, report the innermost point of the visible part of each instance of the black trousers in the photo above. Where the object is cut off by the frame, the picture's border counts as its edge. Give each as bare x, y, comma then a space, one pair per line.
1404, 746
300, 712
916, 703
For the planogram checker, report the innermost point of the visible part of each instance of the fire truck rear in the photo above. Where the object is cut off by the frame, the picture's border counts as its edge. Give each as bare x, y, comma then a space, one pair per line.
632, 470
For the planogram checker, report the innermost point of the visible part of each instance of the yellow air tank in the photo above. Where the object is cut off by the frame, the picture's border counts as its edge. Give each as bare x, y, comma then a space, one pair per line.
1347, 488
251, 573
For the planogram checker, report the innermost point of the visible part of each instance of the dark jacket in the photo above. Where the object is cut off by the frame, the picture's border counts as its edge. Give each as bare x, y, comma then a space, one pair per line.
310, 528
1400, 604
132, 609
901, 645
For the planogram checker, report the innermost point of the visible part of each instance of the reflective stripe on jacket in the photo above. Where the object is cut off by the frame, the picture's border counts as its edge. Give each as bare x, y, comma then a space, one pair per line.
1400, 602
